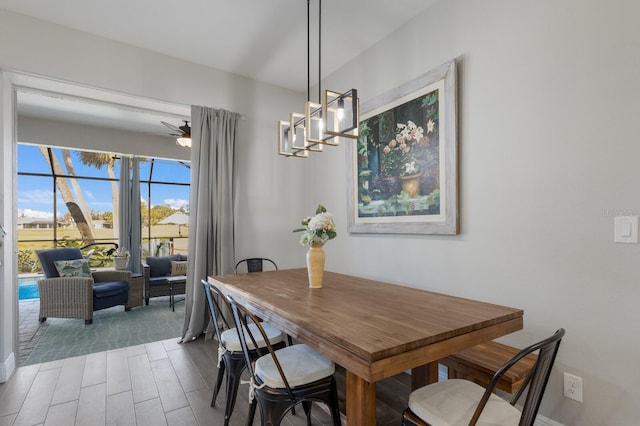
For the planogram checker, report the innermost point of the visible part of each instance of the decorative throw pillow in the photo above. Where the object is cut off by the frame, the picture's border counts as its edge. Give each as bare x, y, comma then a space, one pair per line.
73, 268
178, 268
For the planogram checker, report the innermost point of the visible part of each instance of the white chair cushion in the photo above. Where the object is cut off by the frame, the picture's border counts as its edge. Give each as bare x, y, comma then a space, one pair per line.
231, 342
300, 363
453, 402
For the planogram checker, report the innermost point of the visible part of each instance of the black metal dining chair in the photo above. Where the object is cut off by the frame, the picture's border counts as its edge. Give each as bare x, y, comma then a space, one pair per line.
231, 359
458, 401
283, 378
255, 264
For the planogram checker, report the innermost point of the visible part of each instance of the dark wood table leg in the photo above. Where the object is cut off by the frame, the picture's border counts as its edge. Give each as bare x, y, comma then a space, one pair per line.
423, 375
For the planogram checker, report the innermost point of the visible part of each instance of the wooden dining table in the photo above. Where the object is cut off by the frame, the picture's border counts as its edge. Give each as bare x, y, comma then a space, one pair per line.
373, 329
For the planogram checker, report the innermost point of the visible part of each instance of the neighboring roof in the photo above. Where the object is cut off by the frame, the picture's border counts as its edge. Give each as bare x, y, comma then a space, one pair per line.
27, 220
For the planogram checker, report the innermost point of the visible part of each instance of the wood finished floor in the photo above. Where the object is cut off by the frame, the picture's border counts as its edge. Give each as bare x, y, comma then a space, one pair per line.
160, 383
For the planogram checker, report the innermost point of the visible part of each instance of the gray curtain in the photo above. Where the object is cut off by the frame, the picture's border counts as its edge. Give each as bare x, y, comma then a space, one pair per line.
211, 215
130, 215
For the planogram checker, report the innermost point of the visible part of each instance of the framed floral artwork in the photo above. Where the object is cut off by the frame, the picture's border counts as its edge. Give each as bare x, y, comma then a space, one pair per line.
403, 169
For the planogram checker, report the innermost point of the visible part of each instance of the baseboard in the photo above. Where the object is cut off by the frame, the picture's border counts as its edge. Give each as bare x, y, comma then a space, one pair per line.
545, 421
7, 368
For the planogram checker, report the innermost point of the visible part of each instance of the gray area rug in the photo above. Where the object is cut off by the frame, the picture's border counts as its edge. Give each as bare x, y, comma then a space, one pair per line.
112, 328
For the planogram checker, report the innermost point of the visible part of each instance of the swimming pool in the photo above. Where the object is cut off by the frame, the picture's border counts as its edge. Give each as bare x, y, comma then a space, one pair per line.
28, 288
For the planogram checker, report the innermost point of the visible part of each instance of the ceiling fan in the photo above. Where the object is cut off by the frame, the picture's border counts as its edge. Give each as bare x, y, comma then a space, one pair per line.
183, 132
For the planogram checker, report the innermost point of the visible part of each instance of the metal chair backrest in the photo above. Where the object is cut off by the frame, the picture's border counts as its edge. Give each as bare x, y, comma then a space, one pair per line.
536, 381
215, 309
255, 264
242, 318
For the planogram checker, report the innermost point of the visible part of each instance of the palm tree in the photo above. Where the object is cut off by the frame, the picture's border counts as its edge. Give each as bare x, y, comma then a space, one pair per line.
68, 162
97, 160
86, 231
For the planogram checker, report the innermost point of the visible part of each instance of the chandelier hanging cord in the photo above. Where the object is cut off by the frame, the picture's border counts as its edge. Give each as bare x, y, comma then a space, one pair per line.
308, 54
309, 50
319, 50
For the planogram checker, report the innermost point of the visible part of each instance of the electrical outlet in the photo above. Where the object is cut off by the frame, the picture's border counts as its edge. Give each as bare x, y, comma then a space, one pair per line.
572, 387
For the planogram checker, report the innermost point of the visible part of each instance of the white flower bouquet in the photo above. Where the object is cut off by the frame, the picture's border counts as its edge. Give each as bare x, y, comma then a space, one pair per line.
317, 229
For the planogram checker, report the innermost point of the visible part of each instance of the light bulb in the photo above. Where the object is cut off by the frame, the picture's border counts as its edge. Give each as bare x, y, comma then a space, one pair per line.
340, 109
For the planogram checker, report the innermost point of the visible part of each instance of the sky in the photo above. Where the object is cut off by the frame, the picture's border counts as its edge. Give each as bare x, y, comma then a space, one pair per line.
35, 193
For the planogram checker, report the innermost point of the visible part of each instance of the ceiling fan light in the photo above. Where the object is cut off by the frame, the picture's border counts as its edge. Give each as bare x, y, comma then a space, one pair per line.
184, 142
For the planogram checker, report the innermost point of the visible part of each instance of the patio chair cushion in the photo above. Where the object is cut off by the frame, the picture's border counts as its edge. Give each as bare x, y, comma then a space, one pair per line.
47, 257
160, 266
110, 288
231, 341
73, 268
300, 363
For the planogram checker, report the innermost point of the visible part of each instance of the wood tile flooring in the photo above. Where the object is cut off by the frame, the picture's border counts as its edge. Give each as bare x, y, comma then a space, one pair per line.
160, 383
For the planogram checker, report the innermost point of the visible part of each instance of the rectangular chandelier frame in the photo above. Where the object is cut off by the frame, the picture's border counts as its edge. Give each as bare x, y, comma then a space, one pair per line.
315, 126
347, 125
285, 139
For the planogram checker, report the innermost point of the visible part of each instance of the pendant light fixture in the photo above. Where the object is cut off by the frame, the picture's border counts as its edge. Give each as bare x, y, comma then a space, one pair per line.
334, 115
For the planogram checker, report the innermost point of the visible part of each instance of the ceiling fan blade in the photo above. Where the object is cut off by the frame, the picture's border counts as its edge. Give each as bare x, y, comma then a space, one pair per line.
169, 135
172, 127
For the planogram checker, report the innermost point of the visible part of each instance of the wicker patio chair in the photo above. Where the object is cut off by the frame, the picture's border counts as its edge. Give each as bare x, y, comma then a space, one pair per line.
78, 297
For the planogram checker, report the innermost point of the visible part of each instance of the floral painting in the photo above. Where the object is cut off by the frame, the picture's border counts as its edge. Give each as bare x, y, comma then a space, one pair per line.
398, 160
402, 165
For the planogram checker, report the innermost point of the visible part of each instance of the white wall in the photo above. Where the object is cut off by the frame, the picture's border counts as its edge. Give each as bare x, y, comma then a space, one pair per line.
548, 106
547, 111
268, 193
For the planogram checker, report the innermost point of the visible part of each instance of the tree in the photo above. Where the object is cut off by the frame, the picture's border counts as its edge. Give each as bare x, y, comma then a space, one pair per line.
98, 160
160, 212
145, 213
66, 157
107, 217
86, 232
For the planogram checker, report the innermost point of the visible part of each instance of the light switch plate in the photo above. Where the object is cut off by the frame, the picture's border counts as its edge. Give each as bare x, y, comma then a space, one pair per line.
626, 229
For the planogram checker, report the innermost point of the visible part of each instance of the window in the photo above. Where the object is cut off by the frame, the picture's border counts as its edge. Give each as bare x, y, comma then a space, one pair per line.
70, 198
